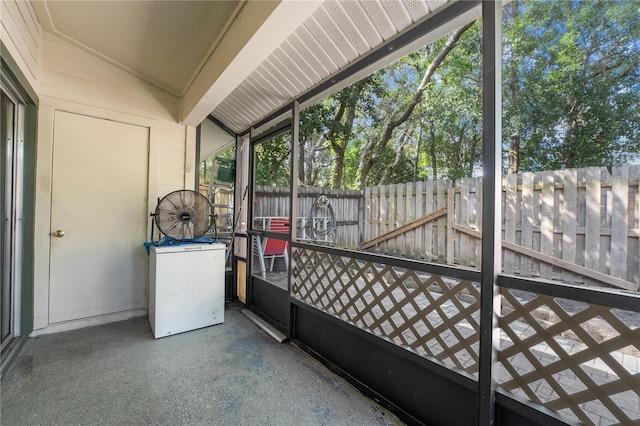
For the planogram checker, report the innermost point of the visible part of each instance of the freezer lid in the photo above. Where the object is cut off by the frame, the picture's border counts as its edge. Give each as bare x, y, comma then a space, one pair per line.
187, 247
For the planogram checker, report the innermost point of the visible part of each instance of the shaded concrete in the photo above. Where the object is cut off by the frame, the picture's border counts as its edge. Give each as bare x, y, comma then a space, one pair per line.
228, 374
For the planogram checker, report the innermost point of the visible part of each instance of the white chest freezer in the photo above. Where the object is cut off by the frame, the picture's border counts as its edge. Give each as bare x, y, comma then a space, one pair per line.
186, 287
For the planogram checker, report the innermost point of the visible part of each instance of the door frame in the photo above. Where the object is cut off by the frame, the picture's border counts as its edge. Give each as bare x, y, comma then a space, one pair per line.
99, 290
48, 106
15, 197
266, 299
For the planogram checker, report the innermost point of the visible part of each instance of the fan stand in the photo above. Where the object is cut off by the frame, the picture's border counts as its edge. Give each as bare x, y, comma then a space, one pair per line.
153, 221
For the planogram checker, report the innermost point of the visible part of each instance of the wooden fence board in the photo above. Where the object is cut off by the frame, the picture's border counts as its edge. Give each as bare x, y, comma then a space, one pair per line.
546, 222
391, 223
634, 270
368, 212
586, 217
605, 278
619, 222
527, 210
451, 243
442, 222
478, 219
405, 228
376, 211
558, 196
400, 218
510, 206
592, 219
606, 208
420, 242
569, 220
464, 251
384, 210
274, 202
545, 212
410, 216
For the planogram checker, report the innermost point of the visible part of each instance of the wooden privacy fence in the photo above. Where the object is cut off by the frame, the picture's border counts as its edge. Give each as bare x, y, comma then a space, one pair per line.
575, 225
346, 204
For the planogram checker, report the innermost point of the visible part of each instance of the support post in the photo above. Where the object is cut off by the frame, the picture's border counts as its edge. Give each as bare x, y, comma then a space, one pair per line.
197, 165
491, 208
251, 194
293, 210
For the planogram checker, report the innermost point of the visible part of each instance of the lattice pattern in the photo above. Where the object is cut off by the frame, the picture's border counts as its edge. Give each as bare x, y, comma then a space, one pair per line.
578, 359
428, 314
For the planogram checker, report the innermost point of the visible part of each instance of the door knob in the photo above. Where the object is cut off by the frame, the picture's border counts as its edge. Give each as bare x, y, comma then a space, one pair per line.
59, 233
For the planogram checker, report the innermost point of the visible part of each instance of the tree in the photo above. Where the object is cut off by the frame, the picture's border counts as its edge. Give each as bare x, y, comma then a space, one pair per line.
571, 99
377, 144
315, 159
332, 121
273, 161
573, 92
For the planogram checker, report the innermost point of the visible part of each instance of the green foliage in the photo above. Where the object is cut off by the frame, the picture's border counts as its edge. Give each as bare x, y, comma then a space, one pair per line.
573, 86
273, 161
571, 99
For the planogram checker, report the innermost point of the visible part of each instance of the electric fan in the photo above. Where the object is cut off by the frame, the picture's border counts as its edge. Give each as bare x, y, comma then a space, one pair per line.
183, 215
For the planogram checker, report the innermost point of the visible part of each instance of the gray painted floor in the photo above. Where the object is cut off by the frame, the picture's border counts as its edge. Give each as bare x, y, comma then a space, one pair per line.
229, 374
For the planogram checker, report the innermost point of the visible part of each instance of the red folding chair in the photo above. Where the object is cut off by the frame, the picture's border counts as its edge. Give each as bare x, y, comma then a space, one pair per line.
274, 248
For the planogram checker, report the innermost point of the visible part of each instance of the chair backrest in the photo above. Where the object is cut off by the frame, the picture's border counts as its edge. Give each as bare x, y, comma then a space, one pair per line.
278, 224
273, 246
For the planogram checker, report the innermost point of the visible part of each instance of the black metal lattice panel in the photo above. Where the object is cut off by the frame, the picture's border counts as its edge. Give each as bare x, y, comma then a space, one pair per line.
576, 358
431, 315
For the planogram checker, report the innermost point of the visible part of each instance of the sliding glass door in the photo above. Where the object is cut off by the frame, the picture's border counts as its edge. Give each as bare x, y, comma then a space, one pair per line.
11, 156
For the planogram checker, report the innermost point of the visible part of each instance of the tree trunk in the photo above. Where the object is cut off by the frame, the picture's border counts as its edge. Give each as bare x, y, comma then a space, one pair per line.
514, 89
417, 158
302, 178
400, 155
514, 154
375, 147
472, 155
339, 167
339, 145
434, 159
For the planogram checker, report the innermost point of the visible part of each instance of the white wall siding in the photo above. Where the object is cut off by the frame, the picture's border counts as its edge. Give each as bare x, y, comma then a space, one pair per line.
71, 73
172, 159
21, 35
74, 80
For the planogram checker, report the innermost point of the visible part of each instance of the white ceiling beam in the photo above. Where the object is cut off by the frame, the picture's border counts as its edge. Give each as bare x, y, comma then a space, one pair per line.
257, 31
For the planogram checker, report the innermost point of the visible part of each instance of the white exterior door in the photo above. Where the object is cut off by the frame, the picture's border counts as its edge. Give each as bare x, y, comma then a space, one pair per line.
98, 217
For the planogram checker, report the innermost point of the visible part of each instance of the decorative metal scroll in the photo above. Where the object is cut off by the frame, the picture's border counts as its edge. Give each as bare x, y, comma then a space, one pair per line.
431, 315
579, 359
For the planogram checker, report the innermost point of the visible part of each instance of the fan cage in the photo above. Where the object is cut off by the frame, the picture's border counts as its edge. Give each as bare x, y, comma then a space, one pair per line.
183, 215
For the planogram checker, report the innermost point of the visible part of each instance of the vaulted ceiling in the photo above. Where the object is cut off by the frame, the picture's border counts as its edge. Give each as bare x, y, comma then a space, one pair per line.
164, 42
237, 60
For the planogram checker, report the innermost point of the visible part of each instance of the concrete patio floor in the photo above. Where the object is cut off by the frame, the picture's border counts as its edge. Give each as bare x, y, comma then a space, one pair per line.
229, 374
